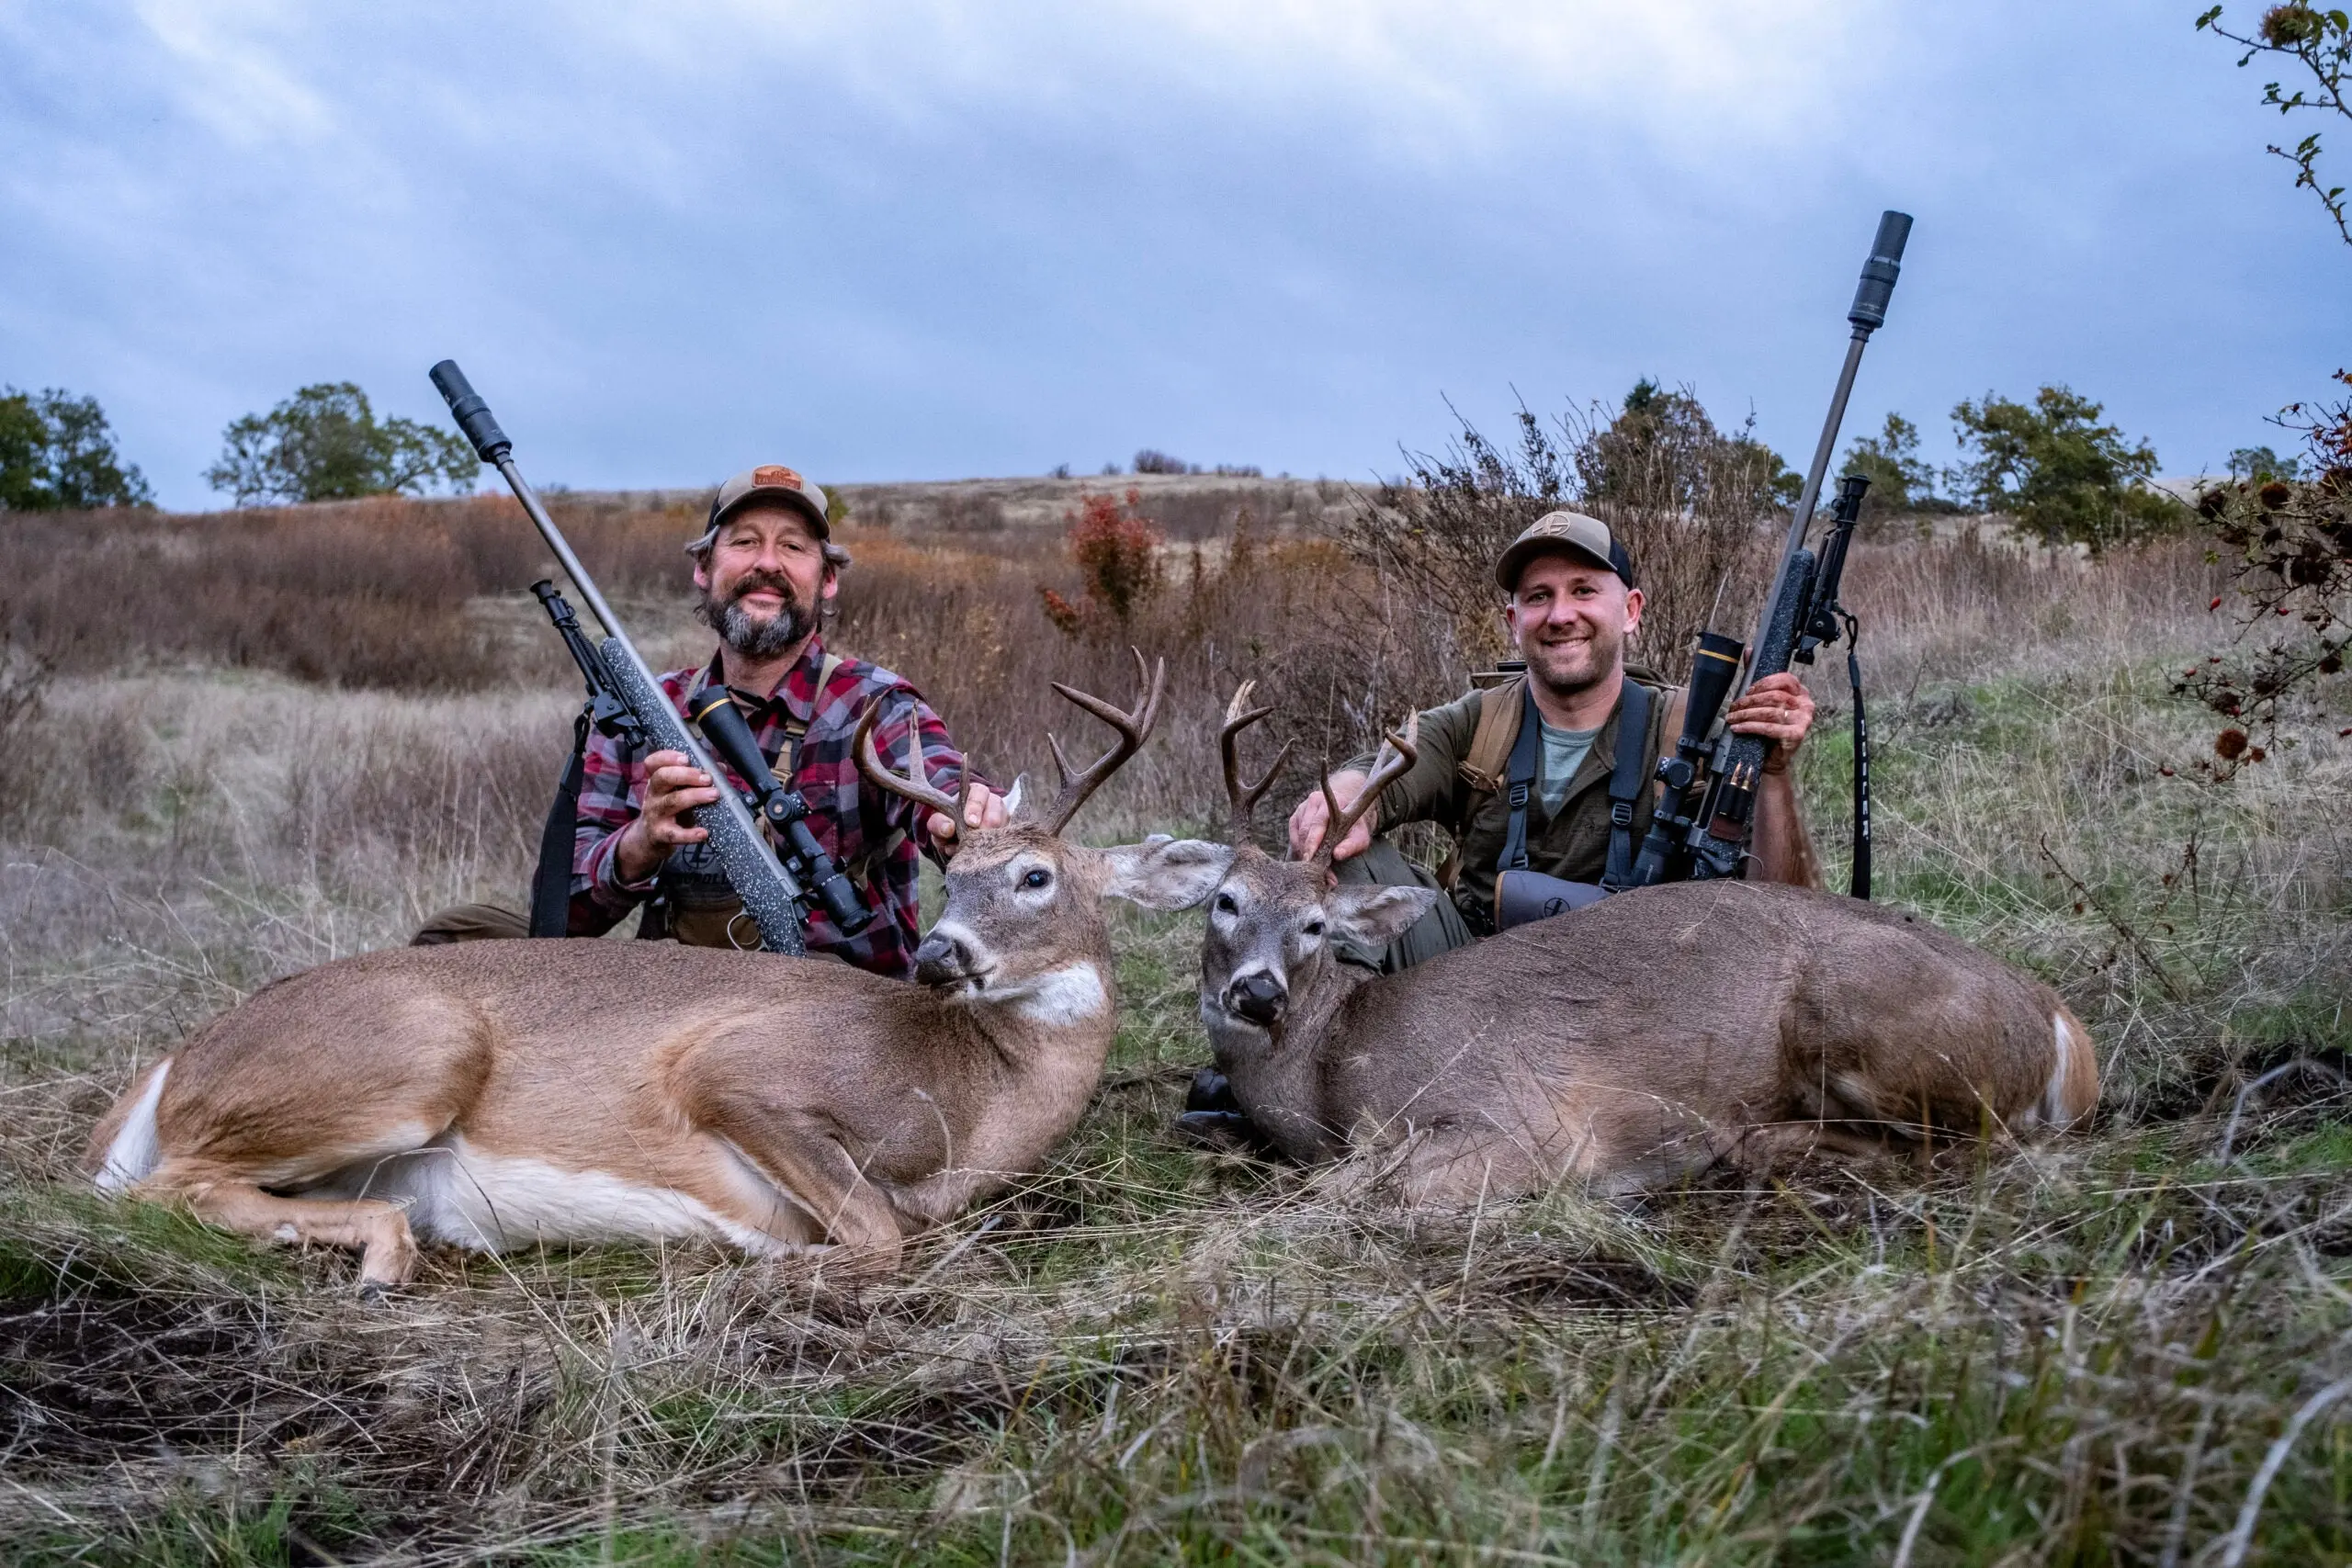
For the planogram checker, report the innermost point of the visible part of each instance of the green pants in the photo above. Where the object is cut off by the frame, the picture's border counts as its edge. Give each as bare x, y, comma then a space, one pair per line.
1441, 931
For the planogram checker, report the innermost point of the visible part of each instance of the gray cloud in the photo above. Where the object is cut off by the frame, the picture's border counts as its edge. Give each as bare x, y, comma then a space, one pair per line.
906, 241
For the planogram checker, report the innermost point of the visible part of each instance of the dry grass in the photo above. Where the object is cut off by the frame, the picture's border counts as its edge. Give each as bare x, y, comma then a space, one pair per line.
2092, 1352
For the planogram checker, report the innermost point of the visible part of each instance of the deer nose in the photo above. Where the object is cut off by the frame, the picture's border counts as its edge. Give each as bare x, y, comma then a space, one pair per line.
941, 958
1258, 996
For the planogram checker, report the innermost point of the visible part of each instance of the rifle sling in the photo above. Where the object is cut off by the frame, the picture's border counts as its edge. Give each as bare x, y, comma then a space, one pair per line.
1861, 883
552, 882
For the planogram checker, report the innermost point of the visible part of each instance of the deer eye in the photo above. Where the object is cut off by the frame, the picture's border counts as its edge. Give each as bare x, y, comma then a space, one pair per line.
1226, 906
1313, 927
1038, 877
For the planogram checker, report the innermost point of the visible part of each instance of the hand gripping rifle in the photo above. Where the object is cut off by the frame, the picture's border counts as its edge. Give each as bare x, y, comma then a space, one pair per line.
625, 699
1706, 801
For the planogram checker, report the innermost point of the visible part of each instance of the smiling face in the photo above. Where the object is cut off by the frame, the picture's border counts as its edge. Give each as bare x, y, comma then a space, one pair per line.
764, 579
1272, 926
1570, 619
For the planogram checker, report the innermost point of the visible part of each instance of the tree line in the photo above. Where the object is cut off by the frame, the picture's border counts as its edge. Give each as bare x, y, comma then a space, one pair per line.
2050, 463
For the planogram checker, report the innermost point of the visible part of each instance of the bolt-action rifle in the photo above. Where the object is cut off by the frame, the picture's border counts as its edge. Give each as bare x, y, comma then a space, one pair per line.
1707, 787
626, 701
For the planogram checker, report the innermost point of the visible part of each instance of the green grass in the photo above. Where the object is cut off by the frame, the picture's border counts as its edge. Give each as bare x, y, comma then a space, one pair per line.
2082, 1353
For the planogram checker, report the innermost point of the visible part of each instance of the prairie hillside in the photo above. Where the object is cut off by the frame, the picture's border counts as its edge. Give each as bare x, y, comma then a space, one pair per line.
233, 746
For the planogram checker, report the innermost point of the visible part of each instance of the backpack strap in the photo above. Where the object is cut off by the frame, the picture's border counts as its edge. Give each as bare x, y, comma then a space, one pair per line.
1499, 708
1627, 780
1521, 778
795, 731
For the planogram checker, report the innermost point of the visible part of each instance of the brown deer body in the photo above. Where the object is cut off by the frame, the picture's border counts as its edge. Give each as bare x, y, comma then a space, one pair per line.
499, 1094
1654, 1033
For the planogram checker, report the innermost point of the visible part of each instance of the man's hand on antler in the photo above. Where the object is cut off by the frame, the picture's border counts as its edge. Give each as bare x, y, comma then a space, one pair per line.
985, 809
1313, 814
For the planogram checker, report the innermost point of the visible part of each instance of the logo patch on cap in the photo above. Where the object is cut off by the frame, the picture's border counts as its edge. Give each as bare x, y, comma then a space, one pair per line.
775, 474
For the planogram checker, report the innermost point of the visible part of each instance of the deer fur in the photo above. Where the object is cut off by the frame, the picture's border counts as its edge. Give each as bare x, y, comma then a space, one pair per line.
1627, 1044
500, 1094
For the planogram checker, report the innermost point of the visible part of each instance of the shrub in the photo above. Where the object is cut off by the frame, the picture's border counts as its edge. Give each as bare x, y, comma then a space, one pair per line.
325, 444
57, 454
1686, 497
1150, 461
2067, 478
2290, 544
1115, 550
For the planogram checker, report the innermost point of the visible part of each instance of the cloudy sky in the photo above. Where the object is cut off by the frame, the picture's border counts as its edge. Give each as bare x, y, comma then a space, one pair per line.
903, 240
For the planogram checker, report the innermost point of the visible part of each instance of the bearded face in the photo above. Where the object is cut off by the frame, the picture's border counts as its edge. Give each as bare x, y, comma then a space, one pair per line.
751, 631
762, 583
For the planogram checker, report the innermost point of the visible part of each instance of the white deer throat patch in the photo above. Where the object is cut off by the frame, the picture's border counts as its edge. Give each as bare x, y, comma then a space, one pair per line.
1058, 998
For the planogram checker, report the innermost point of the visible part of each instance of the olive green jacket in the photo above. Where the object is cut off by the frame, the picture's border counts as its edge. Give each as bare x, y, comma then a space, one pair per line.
1573, 845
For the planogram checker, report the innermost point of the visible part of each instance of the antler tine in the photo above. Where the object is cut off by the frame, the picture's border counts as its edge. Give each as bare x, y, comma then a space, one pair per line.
1244, 797
912, 787
1396, 758
1135, 727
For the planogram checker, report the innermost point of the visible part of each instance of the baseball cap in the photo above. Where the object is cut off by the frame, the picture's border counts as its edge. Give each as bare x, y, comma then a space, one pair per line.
1572, 532
769, 480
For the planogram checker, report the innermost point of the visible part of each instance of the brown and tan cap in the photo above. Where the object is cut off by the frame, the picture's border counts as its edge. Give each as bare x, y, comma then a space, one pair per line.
1564, 533
768, 482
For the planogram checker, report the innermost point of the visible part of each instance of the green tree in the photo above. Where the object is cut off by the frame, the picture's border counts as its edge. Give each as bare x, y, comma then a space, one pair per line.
325, 444
58, 455
2260, 463
1663, 447
2062, 474
1889, 460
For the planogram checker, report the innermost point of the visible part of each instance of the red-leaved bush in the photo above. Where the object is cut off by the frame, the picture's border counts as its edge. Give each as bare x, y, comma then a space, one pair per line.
1115, 549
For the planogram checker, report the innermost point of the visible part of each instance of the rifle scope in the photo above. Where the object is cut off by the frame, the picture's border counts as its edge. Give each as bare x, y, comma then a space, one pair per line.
783, 809
1713, 670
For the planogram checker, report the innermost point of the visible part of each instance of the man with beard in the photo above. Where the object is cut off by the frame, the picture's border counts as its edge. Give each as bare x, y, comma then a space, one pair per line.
1572, 606
767, 569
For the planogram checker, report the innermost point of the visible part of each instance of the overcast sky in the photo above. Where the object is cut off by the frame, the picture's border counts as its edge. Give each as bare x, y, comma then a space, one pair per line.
882, 241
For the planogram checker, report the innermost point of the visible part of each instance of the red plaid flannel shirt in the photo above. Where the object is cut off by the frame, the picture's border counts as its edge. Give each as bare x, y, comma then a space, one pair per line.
848, 816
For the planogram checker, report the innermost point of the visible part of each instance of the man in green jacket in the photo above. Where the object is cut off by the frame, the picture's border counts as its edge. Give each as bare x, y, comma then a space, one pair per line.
1572, 606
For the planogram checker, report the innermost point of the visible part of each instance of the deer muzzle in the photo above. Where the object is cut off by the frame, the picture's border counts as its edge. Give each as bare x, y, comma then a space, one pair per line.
944, 959
1259, 996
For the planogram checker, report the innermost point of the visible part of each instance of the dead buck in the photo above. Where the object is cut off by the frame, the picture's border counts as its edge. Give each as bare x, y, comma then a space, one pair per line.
1651, 1034
498, 1094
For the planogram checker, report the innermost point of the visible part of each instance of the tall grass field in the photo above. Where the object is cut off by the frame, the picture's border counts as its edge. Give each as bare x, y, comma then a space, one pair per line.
234, 747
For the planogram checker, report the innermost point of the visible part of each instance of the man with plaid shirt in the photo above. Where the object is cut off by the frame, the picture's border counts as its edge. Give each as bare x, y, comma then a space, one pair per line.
767, 569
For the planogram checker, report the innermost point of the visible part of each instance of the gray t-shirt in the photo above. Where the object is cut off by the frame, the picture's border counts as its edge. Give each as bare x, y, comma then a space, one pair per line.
1563, 752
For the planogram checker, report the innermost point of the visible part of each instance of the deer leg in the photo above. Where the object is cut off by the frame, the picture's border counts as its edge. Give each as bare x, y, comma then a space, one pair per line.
816, 1175
1438, 1168
378, 1230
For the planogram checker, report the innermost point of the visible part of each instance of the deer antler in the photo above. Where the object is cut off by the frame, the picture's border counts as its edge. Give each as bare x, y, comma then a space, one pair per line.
1396, 758
1133, 728
913, 784
1243, 798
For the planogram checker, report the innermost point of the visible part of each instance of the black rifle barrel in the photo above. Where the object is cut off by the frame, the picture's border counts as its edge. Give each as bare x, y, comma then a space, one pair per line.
1867, 315
770, 894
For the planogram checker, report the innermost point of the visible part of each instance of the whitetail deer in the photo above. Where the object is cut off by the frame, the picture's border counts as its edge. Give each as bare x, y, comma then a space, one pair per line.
1655, 1032
497, 1094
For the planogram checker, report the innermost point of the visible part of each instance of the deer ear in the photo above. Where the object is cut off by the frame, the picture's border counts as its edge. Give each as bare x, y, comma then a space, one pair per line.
1376, 916
1012, 798
1165, 874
